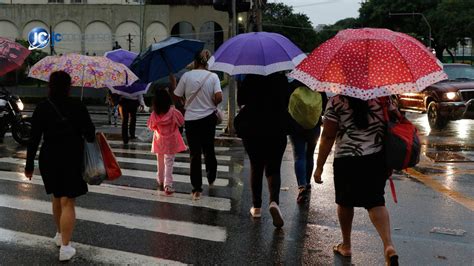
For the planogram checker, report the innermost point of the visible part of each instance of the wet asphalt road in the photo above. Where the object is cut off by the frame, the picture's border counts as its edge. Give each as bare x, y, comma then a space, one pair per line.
128, 222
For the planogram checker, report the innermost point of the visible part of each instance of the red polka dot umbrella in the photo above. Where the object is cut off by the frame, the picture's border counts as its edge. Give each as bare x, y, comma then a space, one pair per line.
12, 55
369, 63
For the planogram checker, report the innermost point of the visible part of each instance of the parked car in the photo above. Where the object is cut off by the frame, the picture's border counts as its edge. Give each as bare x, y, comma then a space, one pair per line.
451, 99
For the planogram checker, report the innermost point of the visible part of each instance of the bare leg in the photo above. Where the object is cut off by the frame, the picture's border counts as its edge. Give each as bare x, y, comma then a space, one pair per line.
68, 218
57, 213
381, 220
345, 215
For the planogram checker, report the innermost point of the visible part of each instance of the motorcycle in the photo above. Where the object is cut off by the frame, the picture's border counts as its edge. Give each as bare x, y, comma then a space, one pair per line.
12, 118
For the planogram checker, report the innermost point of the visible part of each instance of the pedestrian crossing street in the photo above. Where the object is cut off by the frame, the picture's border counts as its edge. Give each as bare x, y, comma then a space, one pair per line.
126, 221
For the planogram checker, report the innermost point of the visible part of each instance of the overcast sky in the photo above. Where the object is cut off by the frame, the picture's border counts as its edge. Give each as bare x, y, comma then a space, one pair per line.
324, 11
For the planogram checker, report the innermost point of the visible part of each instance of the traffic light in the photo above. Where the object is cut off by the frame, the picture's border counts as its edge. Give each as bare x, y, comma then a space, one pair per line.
226, 5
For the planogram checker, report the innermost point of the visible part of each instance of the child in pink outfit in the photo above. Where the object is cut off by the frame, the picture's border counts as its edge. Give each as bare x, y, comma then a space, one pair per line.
167, 140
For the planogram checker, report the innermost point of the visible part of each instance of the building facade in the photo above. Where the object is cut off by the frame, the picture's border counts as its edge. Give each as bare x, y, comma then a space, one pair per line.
94, 26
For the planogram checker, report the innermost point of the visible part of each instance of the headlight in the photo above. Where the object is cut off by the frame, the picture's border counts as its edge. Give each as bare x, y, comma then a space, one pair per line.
20, 105
450, 95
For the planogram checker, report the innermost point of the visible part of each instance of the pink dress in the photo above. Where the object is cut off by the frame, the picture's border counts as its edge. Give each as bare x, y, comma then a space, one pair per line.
166, 137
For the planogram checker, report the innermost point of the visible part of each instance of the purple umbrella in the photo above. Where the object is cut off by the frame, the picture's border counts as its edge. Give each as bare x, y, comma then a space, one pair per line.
132, 90
121, 56
126, 57
261, 53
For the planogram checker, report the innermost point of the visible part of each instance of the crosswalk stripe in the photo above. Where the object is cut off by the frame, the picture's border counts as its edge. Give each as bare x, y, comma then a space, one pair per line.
215, 203
133, 173
143, 144
92, 253
172, 227
178, 155
220, 168
220, 182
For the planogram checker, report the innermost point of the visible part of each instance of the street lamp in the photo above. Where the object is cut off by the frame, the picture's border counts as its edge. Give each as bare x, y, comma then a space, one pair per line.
413, 14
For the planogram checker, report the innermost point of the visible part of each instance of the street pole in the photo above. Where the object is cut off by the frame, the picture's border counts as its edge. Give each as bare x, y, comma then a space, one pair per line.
259, 15
413, 14
231, 106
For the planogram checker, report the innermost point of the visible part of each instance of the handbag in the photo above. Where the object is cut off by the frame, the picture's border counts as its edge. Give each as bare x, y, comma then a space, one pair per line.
111, 165
220, 116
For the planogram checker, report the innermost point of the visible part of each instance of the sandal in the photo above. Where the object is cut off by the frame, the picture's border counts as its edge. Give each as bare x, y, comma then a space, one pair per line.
392, 260
337, 250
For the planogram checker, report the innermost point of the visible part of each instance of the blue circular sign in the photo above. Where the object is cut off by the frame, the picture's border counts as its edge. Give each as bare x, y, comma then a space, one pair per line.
38, 38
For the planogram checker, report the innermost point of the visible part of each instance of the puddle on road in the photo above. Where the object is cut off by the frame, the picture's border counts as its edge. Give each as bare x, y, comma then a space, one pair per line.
446, 156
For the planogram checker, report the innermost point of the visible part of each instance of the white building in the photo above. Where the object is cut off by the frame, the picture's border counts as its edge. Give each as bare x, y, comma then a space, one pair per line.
93, 26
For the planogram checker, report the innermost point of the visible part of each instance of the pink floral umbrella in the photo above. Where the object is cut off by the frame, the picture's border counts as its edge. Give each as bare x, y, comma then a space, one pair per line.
12, 55
369, 63
85, 71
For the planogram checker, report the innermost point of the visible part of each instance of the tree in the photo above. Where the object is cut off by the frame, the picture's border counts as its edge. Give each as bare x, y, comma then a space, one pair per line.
330, 31
280, 18
450, 20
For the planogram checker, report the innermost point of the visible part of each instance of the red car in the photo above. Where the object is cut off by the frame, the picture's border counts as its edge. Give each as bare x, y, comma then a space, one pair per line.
444, 101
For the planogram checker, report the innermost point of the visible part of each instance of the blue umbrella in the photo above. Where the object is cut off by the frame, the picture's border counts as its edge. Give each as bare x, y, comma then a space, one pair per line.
168, 56
121, 56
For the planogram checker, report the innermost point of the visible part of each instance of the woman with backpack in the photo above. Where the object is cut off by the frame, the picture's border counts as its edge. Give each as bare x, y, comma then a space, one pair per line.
357, 127
305, 110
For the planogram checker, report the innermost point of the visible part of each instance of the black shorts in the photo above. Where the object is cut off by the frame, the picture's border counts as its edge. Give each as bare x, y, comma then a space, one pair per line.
360, 180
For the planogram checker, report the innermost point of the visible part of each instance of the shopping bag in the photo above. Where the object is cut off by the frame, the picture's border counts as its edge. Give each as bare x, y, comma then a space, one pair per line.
146, 135
111, 165
94, 171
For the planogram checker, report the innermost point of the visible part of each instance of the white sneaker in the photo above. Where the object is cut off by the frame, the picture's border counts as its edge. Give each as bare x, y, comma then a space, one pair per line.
256, 212
57, 239
66, 252
276, 215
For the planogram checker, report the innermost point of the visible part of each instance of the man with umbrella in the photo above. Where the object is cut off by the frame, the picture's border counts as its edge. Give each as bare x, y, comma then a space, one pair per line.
129, 105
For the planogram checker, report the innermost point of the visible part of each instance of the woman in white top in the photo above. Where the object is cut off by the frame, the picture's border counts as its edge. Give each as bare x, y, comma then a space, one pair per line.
202, 91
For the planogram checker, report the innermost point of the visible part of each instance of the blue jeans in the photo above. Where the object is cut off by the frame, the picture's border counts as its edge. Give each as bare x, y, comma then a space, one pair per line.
304, 143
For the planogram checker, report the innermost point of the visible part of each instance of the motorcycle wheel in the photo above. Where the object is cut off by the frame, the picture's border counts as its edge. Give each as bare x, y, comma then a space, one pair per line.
21, 132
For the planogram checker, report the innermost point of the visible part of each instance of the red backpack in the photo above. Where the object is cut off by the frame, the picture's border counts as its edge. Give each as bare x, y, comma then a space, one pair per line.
402, 144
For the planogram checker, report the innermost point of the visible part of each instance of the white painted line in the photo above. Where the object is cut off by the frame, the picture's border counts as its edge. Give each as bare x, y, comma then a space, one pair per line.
131, 221
91, 253
220, 204
134, 173
220, 182
220, 168
119, 142
178, 155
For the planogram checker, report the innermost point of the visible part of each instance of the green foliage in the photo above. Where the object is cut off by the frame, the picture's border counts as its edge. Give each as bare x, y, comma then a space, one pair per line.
280, 18
450, 20
330, 31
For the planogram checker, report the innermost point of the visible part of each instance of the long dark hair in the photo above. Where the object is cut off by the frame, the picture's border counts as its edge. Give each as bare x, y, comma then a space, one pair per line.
360, 113
162, 101
59, 85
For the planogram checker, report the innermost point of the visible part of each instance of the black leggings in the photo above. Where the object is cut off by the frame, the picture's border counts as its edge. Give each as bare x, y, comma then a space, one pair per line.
200, 136
265, 154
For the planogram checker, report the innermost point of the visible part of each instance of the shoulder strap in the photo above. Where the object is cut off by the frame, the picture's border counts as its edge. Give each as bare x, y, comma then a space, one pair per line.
57, 110
191, 99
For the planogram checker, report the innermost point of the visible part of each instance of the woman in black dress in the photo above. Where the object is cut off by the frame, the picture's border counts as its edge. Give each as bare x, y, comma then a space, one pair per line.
263, 128
63, 123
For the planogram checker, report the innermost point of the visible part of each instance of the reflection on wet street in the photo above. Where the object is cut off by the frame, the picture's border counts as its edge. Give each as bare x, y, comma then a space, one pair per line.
447, 157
